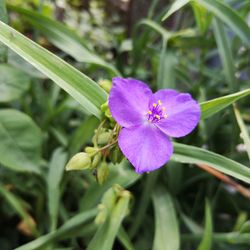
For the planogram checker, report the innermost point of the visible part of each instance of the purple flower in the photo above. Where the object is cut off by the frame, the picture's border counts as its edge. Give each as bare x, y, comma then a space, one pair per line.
148, 120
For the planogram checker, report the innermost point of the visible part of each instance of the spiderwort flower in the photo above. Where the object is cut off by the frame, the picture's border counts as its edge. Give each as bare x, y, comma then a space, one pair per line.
148, 120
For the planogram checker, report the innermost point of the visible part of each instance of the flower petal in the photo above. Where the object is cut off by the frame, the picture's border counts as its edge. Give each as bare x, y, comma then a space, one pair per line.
128, 101
145, 146
183, 112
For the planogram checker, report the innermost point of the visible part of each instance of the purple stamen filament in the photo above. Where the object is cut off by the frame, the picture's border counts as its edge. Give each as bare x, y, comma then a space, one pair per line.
156, 112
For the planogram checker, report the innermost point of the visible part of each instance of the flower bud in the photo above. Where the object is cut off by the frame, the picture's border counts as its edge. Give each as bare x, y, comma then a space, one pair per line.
96, 160
79, 161
116, 155
90, 150
106, 85
103, 138
102, 172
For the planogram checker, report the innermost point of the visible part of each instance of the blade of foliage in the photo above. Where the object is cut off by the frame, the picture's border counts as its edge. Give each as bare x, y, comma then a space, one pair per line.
17, 205
229, 17
13, 84
74, 223
20, 134
206, 242
105, 235
175, 7
225, 53
4, 18
167, 236
243, 129
211, 107
124, 239
56, 169
78, 85
194, 155
220, 10
63, 37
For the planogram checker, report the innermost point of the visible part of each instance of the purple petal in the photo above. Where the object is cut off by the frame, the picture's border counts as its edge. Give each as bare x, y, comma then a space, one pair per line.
145, 146
128, 101
183, 112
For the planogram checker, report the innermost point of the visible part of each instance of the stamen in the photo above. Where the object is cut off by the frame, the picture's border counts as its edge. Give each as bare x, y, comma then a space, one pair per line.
154, 105
163, 108
165, 116
158, 117
150, 112
159, 102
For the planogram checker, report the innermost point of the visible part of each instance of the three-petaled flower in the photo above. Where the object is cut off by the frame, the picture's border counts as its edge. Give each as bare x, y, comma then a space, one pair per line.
149, 119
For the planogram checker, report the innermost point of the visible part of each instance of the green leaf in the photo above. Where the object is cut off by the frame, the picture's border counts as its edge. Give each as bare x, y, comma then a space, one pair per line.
21, 140
244, 131
220, 10
211, 107
56, 169
106, 233
229, 17
13, 83
225, 53
78, 85
206, 242
175, 7
64, 232
167, 236
63, 37
18, 205
194, 155
4, 18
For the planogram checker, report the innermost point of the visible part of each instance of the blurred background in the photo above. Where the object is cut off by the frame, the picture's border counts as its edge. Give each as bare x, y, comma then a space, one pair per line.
199, 50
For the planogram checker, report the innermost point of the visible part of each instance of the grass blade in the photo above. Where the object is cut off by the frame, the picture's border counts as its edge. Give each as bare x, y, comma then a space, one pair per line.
167, 236
56, 169
211, 107
63, 37
206, 242
190, 154
243, 129
79, 86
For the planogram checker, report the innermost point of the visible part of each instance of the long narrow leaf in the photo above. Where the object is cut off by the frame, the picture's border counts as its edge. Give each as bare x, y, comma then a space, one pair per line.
167, 236
190, 154
63, 37
78, 85
211, 107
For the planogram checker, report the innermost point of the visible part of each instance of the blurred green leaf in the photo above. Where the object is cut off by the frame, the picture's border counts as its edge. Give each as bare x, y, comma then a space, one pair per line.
211, 107
206, 242
78, 85
167, 236
20, 134
194, 155
64, 232
175, 7
225, 53
63, 37
220, 10
18, 205
4, 18
244, 131
13, 83
56, 169
106, 233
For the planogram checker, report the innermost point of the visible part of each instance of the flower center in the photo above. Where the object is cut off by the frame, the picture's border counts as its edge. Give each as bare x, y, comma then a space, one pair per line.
156, 112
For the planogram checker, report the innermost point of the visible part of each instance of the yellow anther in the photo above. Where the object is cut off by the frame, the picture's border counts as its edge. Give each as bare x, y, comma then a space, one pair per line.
150, 112
157, 116
154, 104
159, 102
163, 108
165, 116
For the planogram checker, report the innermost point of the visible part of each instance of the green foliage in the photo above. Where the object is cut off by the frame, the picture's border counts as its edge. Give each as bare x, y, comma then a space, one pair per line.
202, 48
